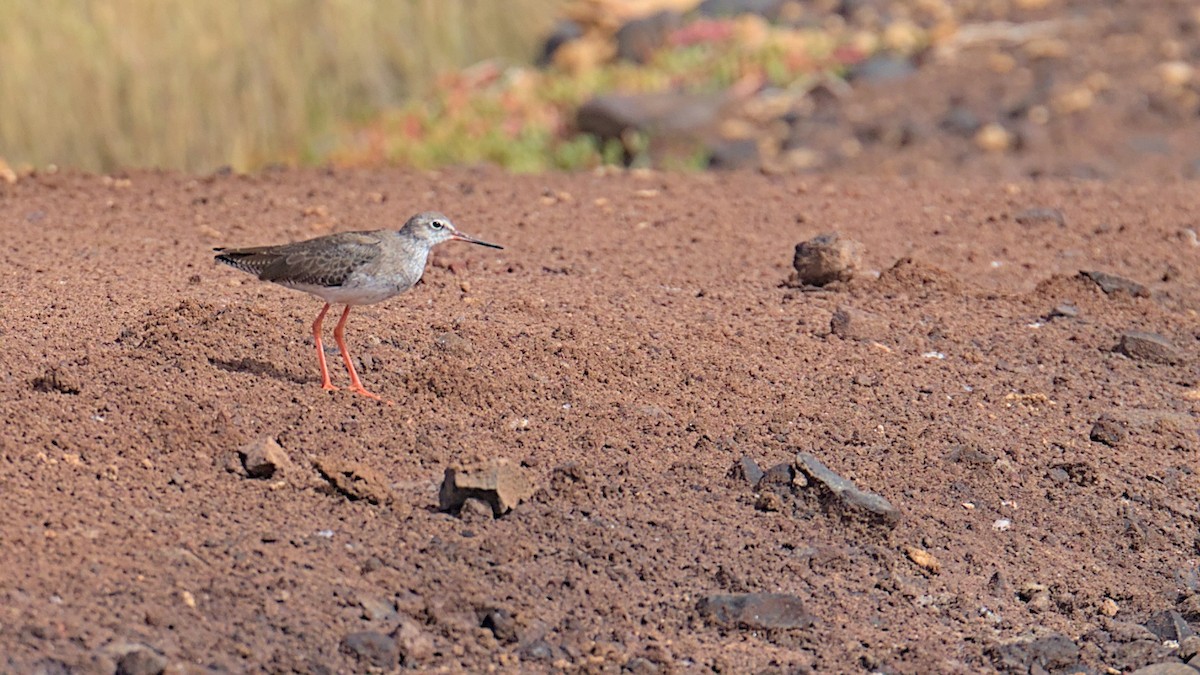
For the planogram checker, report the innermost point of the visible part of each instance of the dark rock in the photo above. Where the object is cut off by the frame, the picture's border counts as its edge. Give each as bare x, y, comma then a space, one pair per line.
1041, 216
134, 659
564, 31
499, 483
502, 624
746, 469
372, 650
728, 154
1108, 431
768, 9
1111, 283
1049, 653
882, 67
1152, 347
755, 611
1170, 625
354, 481
780, 475
961, 121
961, 454
824, 259
638, 39
849, 323
141, 662
263, 458
769, 501
845, 492
671, 114
1138, 654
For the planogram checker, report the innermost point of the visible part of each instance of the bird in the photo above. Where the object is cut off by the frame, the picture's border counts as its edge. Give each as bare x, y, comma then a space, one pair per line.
351, 269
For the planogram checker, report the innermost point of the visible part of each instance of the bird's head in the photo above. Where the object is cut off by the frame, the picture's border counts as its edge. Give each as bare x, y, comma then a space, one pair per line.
432, 228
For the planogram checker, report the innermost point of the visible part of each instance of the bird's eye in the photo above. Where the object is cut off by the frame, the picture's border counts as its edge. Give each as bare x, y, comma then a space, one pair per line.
437, 224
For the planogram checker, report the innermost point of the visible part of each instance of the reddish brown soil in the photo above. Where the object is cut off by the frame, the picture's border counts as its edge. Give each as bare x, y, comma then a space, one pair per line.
633, 342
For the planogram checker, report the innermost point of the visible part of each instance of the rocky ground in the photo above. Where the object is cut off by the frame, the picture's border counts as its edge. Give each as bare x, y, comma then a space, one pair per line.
972, 449
976, 457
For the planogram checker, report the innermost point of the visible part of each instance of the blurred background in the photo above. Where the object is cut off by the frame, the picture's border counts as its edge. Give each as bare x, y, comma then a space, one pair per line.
1088, 88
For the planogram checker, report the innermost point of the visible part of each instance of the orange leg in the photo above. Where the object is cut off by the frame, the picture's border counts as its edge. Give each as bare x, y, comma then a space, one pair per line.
356, 385
325, 383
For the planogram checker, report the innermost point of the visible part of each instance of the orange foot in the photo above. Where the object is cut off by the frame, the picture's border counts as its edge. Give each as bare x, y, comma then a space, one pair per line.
363, 392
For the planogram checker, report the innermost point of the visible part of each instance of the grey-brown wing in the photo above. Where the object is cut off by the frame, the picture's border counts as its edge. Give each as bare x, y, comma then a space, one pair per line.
324, 261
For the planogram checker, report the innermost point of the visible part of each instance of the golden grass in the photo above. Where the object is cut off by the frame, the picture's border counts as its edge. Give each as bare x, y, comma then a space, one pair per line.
101, 84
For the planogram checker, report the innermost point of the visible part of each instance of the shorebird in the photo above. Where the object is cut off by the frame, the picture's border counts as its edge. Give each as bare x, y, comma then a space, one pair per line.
349, 268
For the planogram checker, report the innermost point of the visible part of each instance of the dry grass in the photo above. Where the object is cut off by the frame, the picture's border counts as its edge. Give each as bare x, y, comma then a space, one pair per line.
101, 84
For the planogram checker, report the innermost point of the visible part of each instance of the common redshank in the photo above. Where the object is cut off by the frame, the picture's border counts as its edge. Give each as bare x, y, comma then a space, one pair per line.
349, 268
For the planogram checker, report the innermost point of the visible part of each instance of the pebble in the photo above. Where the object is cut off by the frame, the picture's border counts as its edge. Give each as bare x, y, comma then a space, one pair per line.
498, 483
993, 138
1111, 283
826, 258
372, 650
263, 458
354, 481
1108, 431
746, 469
847, 492
755, 611
1152, 347
1170, 668
1041, 216
1049, 653
414, 644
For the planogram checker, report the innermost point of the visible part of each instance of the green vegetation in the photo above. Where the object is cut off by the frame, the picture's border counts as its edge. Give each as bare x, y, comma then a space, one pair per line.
522, 118
199, 84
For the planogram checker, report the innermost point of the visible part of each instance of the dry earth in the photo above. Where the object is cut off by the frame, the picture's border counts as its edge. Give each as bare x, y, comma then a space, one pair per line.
634, 342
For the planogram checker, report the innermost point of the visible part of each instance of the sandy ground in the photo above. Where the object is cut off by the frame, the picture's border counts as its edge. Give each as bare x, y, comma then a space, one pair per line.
634, 341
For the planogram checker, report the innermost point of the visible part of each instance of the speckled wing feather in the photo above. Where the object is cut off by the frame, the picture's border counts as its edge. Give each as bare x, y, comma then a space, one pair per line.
324, 261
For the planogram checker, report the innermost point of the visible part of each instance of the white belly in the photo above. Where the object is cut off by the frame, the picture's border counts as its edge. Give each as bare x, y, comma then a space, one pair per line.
359, 294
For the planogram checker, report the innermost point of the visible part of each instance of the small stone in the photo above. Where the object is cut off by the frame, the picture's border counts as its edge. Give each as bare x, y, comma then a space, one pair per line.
993, 138
414, 644
1109, 607
769, 502
453, 343
1064, 311
1108, 431
354, 481
824, 259
1044, 654
747, 470
1170, 625
849, 323
502, 624
1111, 283
755, 611
1189, 647
924, 559
263, 458
780, 475
141, 662
499, 483
475, 511
1041, 216
847, 492
372, 650
1152, 347
1035, 596
376, 609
